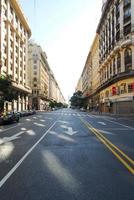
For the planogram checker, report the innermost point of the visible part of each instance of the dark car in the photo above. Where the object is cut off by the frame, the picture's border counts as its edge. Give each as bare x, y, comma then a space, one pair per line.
9, 117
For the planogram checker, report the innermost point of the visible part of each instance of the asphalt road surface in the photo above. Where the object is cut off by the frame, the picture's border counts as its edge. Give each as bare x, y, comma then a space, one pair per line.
67, 155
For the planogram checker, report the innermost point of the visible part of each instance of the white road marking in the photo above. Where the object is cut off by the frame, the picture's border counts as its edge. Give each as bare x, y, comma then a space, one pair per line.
38, 124
102, 123
3, 130
69, 130
9, 139
106, 132
104, 117
7, 176
42, 120
129, 127
47, 118
64, 122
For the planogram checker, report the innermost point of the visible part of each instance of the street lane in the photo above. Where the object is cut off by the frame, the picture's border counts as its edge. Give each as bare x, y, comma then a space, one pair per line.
70, 162
119, 133
32, 129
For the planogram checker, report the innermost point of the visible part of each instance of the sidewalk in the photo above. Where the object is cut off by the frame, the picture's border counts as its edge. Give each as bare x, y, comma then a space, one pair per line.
130, 116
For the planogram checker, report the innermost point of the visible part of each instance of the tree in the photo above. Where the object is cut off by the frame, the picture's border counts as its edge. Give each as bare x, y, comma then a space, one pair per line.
7, 93
77, 100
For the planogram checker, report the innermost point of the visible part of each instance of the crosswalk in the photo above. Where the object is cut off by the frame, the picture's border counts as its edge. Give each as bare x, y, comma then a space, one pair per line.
69, 114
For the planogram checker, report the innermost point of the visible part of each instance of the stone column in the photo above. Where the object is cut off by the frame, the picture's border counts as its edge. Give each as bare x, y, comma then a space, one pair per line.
132, 16
26, 102
19, 103
22, 103
116, 71
132, 57
121, 19
112, 67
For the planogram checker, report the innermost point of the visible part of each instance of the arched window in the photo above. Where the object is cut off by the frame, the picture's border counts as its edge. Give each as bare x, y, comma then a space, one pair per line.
128, 59
118, 63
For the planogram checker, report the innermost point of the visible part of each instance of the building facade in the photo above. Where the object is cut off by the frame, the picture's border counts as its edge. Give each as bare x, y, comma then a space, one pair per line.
55, 93
79, 85
14, 35
116, 56
38, 76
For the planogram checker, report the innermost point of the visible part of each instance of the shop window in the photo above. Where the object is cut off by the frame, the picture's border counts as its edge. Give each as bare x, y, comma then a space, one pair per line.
114, 90
123, 88
130, 87
107, 94
128, 60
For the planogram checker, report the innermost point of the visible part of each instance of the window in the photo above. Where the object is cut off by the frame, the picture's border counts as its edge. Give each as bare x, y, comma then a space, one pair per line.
16, 18
35, 66
107, 94
123, 88
130, 87
127, 29
127, 2
11, 10
118, 63
127, 11
34, 79
128, 59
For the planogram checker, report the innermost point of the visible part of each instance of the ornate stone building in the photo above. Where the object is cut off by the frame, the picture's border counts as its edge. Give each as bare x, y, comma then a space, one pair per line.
14, 35
116, 56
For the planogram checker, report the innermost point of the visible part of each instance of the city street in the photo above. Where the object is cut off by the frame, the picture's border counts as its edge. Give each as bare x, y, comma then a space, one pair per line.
67, 155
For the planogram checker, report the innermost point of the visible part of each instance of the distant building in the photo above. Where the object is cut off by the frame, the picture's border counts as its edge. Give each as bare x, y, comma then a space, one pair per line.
41, 79
79, 85
14, 35
38, 76
54, 90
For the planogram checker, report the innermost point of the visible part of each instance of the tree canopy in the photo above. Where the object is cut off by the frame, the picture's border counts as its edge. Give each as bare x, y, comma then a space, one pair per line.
77, 100
7, 93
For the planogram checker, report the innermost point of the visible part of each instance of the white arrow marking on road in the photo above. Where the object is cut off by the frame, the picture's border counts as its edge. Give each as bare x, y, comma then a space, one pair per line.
69, 130
102, 123
9, 139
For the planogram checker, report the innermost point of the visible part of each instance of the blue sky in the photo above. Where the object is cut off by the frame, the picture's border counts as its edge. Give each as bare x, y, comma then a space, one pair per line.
65, 30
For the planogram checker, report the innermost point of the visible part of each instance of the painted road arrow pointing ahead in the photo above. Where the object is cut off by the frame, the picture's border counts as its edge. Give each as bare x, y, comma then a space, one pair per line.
9, 139
69, 130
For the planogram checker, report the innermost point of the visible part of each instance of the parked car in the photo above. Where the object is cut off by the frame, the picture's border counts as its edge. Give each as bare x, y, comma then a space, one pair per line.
9, 117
